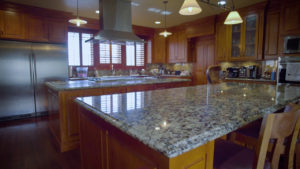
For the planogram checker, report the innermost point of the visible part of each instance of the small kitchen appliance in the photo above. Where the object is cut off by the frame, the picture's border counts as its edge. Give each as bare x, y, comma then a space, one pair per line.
252, 72
289, 70
232, 72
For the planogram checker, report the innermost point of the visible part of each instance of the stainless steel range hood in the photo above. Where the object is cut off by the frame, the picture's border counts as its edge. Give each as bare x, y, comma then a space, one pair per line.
115, 21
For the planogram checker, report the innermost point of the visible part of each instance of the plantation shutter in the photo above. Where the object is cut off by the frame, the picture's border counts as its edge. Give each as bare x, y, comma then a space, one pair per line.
140, 54
87, 50
104, 53
116, 54
73, 49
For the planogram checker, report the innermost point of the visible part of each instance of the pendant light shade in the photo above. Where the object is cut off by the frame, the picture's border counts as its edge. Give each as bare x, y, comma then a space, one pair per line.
77, 21
233, 18
165, 33
190, 7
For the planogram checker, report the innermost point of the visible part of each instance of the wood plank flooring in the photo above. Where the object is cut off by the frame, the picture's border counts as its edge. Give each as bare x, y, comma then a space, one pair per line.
28, 144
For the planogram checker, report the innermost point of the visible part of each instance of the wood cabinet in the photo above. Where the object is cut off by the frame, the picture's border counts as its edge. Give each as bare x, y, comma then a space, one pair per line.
221, 40
158, 49
272, 35
104, 146
290, 16
37, 29
63, 112
178, 47
11, 25
58, 31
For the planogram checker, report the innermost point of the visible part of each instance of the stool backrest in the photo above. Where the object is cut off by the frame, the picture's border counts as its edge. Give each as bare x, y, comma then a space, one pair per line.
275, 126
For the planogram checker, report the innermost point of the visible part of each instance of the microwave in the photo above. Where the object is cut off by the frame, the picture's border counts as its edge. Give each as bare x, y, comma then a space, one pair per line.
291, 44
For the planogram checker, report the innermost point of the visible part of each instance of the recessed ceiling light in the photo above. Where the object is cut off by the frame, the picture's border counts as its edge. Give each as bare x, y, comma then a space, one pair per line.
97, 11
166, 12
157, 22
154, 10
222, 2
135, 4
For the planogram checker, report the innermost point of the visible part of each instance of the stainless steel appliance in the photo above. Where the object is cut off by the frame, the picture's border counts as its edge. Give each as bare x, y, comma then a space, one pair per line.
24, 68
233, 72
243, 72
289, 70
292, 44
252, 72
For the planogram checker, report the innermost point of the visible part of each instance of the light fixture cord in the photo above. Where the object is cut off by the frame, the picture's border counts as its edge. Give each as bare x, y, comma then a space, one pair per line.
233, 7
165, 14
77, 9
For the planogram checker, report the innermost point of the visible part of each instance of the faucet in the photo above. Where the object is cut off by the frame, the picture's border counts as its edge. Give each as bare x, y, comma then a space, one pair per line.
112, 69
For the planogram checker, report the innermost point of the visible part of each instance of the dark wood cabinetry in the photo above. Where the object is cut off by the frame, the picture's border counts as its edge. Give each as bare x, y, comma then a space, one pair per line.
272, 35
58, 30
221, 40
37, 29
158, 49
178, 47
11, 25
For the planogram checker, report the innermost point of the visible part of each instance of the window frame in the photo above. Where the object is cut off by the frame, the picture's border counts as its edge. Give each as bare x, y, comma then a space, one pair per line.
81, 31
96, 53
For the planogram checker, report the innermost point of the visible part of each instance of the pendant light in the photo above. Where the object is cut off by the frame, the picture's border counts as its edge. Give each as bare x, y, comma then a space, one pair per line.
165, 33
77, 21
233, 17
190, 7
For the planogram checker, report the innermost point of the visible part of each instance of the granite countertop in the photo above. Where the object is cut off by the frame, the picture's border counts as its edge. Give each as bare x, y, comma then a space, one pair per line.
87, 84
247, 79
174, 121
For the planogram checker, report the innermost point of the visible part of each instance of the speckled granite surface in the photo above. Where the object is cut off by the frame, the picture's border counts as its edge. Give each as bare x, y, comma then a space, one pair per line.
86, 84
174, 121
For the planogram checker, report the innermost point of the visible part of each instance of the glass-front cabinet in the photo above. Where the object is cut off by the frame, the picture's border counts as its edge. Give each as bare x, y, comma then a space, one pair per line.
244, 38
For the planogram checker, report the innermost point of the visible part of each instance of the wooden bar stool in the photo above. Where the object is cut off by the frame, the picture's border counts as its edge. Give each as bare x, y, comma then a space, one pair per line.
275, 126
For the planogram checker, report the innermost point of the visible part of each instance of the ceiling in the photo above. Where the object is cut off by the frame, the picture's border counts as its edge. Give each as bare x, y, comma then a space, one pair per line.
140, 14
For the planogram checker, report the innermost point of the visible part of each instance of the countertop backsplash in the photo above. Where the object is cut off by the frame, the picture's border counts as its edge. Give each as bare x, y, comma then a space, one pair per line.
183, 69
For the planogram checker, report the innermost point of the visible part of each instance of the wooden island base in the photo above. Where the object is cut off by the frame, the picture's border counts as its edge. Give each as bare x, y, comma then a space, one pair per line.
104, 146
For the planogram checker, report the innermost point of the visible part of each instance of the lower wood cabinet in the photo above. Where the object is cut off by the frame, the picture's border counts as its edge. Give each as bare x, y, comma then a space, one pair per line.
104, 146
63, 111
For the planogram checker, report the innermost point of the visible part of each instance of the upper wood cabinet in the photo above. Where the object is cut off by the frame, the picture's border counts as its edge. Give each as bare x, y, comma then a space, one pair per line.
246, 38
290, 16
178, 47
11, 25
37, 29
158, 49
221, 53
58, 31
272, 35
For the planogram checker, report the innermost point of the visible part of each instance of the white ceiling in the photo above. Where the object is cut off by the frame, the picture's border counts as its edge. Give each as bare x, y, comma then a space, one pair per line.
140, 15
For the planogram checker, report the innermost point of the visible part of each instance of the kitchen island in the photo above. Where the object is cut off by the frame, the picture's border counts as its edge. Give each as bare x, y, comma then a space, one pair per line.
171, 128
63, 114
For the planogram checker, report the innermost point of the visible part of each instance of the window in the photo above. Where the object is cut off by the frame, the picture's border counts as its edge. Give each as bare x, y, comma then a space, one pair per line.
80, 53
110, 53
135, 54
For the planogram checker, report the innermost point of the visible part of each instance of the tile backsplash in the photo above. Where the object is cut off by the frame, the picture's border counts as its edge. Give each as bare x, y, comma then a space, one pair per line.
149, 70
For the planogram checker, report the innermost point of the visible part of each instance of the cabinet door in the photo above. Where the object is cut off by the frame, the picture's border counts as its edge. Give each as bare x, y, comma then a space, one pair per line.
271, 35
57, 31
159, 49
12, 25
291, 17
172, 48
36, 29
251, 33
221, 41
236, 47
181, 47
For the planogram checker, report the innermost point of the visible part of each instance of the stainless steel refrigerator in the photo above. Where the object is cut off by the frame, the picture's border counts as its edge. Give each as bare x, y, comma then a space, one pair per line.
24, 69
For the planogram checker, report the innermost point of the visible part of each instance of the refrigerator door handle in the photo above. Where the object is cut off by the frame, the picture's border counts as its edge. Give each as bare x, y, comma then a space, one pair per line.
34, 82
31, 68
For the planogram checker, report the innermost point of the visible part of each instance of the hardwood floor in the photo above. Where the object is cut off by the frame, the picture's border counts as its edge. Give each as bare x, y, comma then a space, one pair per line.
28, 144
